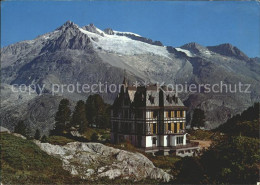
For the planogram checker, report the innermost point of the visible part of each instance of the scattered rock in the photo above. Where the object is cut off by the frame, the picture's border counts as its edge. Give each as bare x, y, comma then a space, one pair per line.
3, 129
19, 135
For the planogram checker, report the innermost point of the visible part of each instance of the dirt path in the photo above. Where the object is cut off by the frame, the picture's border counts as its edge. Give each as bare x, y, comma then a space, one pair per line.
203, 144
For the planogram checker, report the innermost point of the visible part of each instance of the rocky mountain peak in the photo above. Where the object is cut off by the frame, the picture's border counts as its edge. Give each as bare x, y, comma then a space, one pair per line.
109, 31
68, 25
221, 47
90, 27
68, 37
93, 29
194, 47
228, 49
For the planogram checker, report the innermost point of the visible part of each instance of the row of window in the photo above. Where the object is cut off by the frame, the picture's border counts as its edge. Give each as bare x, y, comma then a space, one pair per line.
174, 114
169, 127
179, 140
175, 127
151, 127
154, 114
169, 114
125, 127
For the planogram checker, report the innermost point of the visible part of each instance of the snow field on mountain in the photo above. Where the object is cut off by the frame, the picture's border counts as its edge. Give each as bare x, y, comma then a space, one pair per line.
125, 45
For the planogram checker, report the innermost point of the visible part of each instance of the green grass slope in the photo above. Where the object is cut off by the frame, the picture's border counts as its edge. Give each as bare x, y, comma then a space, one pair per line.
22, 162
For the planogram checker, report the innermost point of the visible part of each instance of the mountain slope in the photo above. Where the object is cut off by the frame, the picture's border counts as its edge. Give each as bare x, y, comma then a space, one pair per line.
88, 55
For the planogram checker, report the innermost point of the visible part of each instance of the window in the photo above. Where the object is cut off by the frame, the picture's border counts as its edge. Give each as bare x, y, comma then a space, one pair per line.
154, 128
178, 114
181, 113
178, 127
154, 114
133, 127
126, 114
119, 127
175, 127
169, 114
169, 126
149, 128
180, 140
139, 114
181, 126
151, 98
154, 140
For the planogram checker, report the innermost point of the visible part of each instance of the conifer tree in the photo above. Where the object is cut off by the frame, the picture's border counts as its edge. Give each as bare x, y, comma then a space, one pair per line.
21, 128
198, 118
37, 135
94, 137
97, 111
62, 117
79, 117
100, 111
91, 110
44, 139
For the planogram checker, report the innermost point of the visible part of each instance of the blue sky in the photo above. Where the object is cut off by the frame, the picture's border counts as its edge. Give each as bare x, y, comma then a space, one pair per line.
173, 23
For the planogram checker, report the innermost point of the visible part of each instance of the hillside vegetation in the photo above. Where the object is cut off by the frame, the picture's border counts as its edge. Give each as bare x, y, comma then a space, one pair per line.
23, 162
245, 124
233, 158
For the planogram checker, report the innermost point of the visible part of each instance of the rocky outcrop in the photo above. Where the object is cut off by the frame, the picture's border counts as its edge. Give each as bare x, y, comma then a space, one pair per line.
109, 31
69, 37
92, 28
229, 50
95, 160
139, 38
19, 135
193, 47
3, 129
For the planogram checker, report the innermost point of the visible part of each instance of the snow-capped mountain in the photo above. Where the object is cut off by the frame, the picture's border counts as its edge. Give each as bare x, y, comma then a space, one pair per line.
72, 54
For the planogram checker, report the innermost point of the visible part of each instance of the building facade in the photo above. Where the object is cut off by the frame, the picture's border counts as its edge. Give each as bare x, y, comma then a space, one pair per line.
152, 118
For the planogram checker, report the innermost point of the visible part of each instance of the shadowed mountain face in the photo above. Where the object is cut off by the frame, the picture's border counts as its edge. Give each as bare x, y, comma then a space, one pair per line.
229, 50
193, 47
88, 55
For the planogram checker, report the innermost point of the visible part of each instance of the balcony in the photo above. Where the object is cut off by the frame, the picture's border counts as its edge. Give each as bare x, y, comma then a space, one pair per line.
172, 132
191, 145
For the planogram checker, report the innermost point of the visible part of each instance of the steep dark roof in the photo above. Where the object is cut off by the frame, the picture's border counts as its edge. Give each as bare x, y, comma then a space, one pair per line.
148, 96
